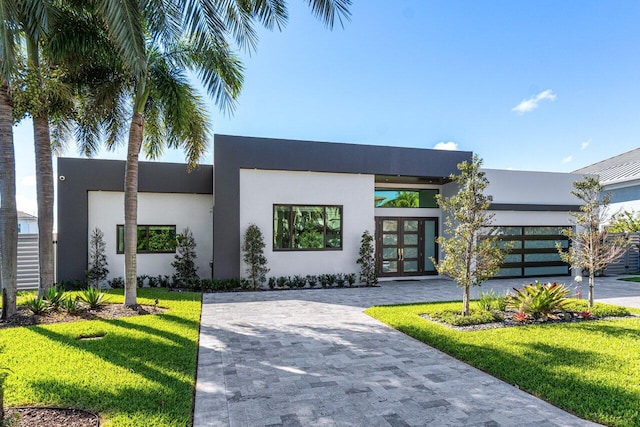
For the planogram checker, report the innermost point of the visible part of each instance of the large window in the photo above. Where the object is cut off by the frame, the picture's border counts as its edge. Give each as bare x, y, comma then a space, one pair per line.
156, 239
297, 227
387, 198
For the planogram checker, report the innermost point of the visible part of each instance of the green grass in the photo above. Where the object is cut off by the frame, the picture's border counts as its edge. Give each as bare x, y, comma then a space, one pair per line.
589, 368
141, 373
631, 279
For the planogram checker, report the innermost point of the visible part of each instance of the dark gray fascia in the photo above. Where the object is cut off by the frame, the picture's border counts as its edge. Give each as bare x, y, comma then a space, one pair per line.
84, 175
533, 207
232, 153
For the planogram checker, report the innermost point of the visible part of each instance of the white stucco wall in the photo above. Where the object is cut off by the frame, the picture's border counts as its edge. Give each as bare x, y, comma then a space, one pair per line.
532, 218
106, 211
261, 189
526, 187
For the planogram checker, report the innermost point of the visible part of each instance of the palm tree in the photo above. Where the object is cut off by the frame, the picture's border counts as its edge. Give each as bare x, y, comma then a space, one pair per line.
8, 210
206, 26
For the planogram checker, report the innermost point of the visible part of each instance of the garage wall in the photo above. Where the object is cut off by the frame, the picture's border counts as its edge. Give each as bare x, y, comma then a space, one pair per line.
106, 211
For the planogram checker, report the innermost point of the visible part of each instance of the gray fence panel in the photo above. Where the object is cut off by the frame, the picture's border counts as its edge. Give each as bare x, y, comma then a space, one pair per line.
28, 270
630, 261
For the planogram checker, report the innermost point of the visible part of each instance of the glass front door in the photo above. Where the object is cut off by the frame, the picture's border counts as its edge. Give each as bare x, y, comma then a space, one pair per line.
405, 245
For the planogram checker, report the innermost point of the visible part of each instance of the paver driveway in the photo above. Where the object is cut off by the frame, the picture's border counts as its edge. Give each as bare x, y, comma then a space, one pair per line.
313, 358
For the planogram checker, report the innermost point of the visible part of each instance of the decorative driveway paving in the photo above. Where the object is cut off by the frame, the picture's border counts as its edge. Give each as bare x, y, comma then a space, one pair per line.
313, 358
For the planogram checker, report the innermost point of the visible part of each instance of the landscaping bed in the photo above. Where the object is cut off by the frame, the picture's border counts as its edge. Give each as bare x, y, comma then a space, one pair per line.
589, 368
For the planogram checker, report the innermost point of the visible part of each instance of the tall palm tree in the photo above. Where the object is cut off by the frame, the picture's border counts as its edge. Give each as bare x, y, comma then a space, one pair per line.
8, 210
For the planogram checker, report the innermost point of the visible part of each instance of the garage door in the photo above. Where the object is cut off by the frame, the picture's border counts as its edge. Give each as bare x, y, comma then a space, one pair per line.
533, 251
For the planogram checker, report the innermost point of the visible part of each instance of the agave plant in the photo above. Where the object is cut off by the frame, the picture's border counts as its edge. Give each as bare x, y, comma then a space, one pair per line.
38, 306
539, 300
54, 297
94, 298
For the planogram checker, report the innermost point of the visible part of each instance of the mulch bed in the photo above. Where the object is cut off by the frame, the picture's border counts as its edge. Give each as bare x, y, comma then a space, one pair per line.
50, 417
24, 316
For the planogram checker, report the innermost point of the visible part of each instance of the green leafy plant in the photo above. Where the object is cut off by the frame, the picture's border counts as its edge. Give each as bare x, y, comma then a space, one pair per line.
367, 260
116, 283
38, 306
70, 305
598, 310
54, 297
140, 280
272, 282
253, 256
350, 279
312, 280
491, 300
340, 280
282, 282
185, 258
520, 317
540, 300
299, 281
94, 297
98, 263
475, 317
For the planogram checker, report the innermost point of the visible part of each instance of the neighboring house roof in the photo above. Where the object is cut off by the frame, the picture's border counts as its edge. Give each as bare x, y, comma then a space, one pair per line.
621, 168
25, 215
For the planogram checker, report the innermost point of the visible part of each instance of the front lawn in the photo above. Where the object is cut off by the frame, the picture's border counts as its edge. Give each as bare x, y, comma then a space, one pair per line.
590, 368
631, 279
141, 373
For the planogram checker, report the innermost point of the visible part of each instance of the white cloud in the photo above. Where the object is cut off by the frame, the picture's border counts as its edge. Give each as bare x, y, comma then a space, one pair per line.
584, 144
531, 104
29, 181
450, 146
26, 204
567, 159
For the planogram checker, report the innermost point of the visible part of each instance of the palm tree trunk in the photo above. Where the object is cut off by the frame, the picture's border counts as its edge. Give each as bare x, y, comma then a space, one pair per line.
8, 211
131, 209
44, 188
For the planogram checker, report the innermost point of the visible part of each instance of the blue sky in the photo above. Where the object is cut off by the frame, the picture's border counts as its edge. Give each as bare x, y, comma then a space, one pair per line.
533, 85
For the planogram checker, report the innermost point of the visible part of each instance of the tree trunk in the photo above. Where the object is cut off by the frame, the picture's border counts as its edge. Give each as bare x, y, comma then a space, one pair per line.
131, 209
591, 280
465, 301
8, 211
44, 188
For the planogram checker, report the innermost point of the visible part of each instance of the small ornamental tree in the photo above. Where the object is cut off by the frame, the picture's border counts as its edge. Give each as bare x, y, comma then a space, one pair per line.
470, 256
367, 260
253, 248
624, 222
185, 258
98, 263
592, 249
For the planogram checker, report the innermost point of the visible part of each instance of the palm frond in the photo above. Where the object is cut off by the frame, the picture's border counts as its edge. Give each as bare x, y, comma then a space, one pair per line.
8, 30
330, 10
123, 20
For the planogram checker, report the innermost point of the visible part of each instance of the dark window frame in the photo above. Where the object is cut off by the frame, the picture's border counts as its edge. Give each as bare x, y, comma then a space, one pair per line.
522, 251
291, 237
119, 252
396, 189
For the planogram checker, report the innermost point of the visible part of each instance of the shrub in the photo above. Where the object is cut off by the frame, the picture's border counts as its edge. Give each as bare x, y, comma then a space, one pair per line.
367, 260
539, 300
339, 279
163, 281
70, 305
298, 282
598, 310
312, 280
98, 270
245, 284
282, 282
93, 297
491, 300
140, 280
350, 278
72, 285
38, 306
272, 282
475, 317
185, 258
520, 317
54, 297
253, 249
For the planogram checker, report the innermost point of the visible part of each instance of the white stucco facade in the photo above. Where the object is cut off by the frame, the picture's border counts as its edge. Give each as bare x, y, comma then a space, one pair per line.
261, 189
106, 211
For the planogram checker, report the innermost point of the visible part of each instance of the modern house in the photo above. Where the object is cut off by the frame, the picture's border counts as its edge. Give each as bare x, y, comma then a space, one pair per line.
312, 201
620, 177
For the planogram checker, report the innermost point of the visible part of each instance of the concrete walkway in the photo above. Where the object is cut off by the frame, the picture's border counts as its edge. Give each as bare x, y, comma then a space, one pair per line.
313, 358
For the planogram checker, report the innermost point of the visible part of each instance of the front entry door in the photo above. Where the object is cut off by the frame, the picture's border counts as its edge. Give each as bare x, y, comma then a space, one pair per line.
404, 246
